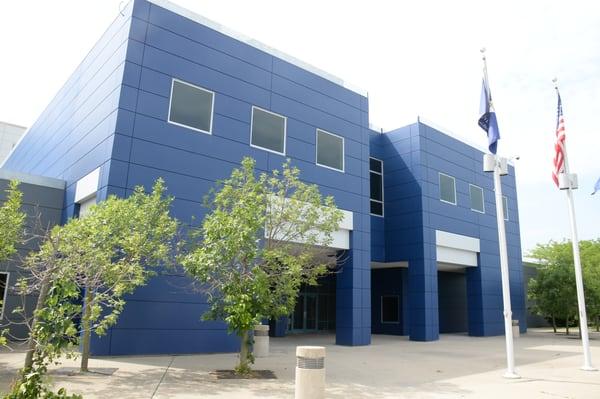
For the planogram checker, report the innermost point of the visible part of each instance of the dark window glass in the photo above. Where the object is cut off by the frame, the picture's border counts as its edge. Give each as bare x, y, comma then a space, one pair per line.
191, 106
505, 207
375, 165
447, 189
376, 208
376, 187
268, 130
330, 150
390, 309
476, 194
3, 289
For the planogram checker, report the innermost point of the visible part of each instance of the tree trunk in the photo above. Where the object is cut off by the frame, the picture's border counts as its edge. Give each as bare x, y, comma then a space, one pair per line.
554, 324
244, 365
579, 324
597, 323
567, 325
86, 324
31, 343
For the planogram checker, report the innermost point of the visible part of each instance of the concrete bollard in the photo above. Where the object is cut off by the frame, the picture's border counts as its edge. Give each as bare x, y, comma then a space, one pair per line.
261, 340
310, 372
515, 329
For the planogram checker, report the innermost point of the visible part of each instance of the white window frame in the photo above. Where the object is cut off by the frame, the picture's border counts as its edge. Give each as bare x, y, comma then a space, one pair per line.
212, 108
5, 294
381, 309
482, 198
440, 187
382, 191
505, 202
343, 170
284, 130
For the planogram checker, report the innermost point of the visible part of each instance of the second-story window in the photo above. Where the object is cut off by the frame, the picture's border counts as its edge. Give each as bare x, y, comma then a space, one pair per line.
330, 150
476, 194
268, 131
376, 177
447, 189
191, 106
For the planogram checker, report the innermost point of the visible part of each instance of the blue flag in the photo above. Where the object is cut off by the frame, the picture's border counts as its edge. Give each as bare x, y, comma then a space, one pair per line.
596, 187
487, 119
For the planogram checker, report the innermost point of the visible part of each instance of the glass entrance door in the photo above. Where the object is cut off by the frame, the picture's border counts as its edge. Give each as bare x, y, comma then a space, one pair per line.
305, 314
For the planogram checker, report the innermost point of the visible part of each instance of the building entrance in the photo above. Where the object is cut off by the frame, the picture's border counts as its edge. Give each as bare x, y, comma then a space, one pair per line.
315, 308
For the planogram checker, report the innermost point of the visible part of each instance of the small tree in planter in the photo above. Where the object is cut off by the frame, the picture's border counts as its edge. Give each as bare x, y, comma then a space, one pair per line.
264, 236
112, 250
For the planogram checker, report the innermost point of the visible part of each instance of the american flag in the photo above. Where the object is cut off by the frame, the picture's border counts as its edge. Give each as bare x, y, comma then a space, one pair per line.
559, 147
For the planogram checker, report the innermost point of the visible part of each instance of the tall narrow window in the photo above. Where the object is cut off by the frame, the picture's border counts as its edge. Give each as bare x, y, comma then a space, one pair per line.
330, 150
268, 131
376, 176
505, 207
3, 292
476, 194
447, 189
191, 106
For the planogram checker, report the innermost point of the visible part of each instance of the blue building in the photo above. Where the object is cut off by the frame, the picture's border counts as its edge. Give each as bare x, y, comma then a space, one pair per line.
166, 93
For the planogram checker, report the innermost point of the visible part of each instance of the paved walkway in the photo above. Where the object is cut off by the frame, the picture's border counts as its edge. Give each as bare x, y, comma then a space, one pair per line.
456, 366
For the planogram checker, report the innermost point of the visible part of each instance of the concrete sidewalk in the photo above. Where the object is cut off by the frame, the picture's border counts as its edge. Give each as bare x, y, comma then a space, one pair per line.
456, 366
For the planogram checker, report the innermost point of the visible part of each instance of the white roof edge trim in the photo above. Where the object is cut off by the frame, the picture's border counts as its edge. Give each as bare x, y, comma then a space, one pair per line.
32, 179
184, 12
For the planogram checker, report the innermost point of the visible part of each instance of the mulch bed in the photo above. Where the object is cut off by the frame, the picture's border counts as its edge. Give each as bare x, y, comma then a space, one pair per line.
253, 375
74, 371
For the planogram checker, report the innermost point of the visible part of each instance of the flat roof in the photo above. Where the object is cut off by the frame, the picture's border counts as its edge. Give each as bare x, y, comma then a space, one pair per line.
32, 179
184, 12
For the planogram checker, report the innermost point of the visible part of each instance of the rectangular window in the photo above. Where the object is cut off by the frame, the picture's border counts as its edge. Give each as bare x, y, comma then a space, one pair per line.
447, 189
3, 292
191, 106
376, 177
390, 309
268, 131
330, 150
476, 194
505, 207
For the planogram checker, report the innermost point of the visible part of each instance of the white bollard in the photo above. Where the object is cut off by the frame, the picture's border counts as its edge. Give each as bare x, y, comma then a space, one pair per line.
310, 372
515, 329
261, 340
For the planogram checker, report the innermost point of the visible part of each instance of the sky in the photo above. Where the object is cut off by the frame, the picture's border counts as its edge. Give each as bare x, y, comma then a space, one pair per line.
415, 59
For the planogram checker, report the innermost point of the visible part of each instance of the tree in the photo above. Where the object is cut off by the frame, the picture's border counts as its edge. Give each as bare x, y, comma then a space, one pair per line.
12, 220
107, 253
554, 289
263, 237
112, 251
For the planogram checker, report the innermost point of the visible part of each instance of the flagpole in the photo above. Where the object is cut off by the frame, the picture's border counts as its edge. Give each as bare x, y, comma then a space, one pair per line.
583, 327
510, 357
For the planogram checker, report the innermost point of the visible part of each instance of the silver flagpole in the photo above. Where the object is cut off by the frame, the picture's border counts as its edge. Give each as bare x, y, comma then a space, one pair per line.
567, 181
500, 168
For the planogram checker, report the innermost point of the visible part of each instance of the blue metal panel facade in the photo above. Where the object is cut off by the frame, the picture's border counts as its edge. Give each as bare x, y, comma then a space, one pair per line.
112, 114
413, 158
163, 45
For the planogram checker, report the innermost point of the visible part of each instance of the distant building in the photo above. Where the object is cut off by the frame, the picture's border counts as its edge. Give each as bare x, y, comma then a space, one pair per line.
9, 137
